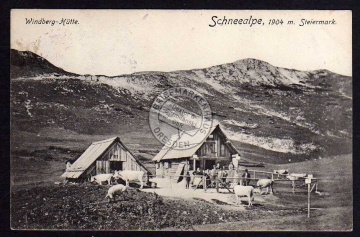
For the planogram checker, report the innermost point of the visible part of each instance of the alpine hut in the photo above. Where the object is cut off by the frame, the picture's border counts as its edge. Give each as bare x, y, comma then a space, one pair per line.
103, 157
214, 149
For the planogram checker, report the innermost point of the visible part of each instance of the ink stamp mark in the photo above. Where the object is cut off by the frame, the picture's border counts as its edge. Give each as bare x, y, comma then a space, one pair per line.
180, 118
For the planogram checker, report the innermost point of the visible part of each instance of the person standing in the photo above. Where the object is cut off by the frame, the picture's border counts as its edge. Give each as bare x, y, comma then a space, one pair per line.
187, 178
231, 166
213, 174
246, 177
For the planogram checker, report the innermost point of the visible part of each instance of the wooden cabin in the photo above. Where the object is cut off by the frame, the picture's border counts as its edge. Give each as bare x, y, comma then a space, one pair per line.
103, 157
216, 148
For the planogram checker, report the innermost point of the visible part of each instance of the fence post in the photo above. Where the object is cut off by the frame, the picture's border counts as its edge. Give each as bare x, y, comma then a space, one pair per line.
293, 186
204, 182
309, 184
254, 174
170, 182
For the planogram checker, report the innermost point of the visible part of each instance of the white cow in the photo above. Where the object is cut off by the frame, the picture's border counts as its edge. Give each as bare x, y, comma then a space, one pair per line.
130, 175
100, 178
302, 175
115, 190
265, 183
241, 191
293, 177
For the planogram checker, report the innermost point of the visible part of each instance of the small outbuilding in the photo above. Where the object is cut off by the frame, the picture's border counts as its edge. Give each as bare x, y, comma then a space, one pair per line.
103, 157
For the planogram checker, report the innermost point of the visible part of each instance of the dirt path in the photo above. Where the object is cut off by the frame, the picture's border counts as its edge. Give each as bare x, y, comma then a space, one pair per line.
224, 198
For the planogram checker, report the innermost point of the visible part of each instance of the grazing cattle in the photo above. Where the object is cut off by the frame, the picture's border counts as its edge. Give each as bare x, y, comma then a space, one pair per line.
265, 183
293, 177
115, 190
281, 171
100, 178
241, 191
130, 175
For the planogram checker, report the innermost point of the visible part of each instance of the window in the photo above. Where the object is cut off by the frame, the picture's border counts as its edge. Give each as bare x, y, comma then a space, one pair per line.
167, 164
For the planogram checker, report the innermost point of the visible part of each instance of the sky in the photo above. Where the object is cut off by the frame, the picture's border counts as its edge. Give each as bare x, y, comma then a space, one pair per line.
115, 42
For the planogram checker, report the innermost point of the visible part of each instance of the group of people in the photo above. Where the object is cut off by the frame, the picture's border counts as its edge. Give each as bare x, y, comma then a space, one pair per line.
217, 171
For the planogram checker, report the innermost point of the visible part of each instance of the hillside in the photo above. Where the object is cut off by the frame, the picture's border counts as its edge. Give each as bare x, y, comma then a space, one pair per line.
271, 114
28, 64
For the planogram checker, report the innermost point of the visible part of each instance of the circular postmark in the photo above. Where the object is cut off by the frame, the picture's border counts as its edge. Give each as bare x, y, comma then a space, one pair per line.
180, 118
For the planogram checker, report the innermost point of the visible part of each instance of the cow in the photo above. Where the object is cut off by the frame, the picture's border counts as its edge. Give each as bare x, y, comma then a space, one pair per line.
293, 177
130, 175
265, 183
115, 190
280, 172
241, 191
100, 178
302, 175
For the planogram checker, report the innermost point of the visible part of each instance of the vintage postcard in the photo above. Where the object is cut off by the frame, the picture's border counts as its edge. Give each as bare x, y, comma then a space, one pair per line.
200, 120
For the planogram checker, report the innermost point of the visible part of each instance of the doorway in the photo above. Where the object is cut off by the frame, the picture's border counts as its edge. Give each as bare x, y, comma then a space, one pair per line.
116, 165
209, 164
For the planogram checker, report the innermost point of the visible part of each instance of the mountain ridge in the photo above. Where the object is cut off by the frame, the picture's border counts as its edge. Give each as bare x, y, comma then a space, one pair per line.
271, 114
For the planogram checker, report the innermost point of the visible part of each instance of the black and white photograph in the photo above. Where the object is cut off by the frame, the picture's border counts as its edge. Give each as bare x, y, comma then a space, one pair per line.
181, 120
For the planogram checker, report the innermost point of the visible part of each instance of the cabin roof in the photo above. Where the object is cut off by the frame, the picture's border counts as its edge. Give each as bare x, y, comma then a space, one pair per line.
91, 154
169, 153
